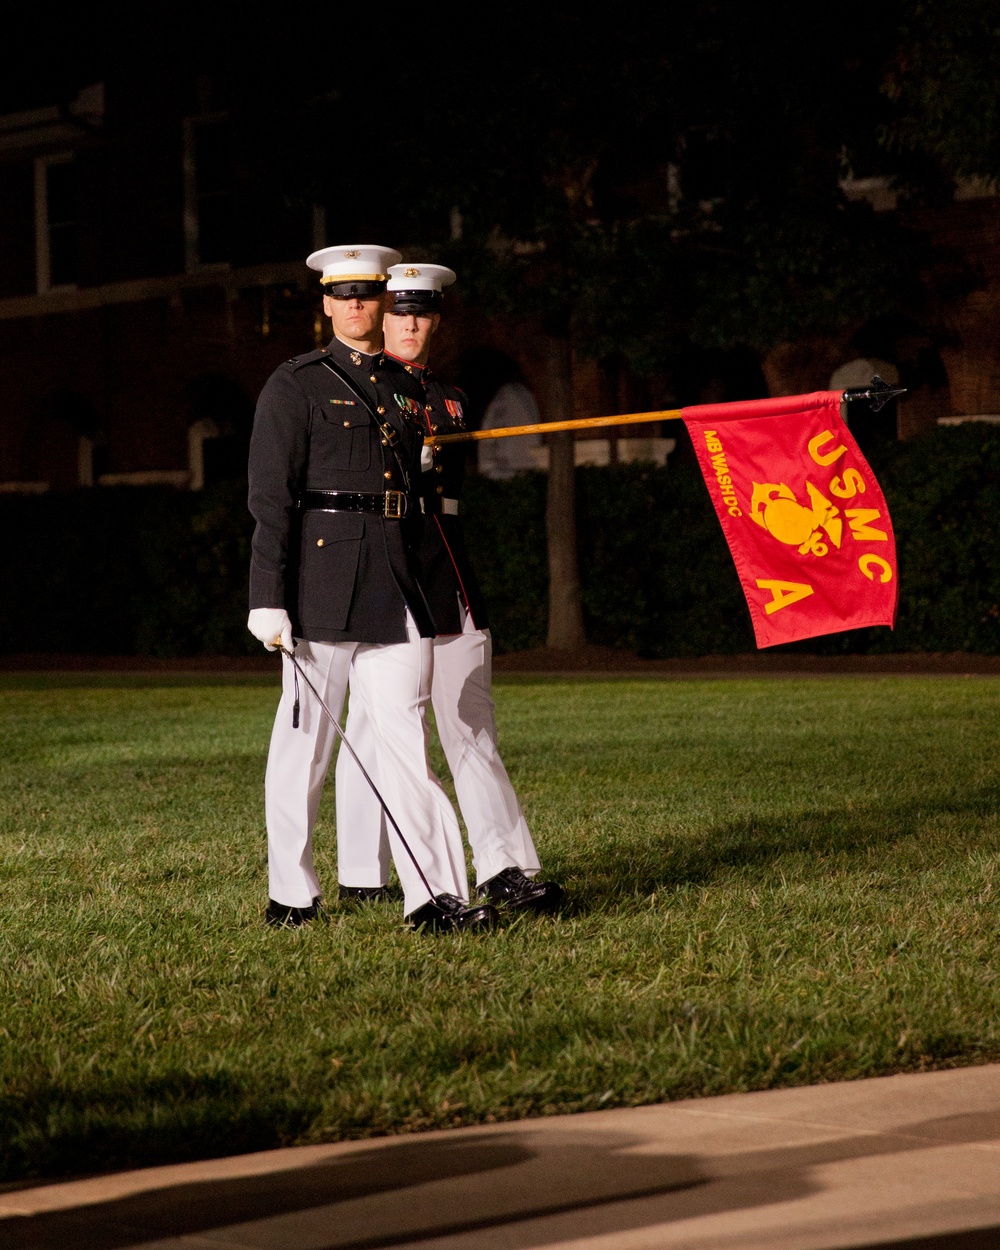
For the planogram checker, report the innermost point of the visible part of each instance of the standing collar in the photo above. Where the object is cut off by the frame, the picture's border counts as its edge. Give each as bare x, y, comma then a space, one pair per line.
350, 356
410, 366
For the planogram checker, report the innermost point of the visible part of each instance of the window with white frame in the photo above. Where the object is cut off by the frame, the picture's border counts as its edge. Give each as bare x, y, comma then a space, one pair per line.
55, 222
208, 191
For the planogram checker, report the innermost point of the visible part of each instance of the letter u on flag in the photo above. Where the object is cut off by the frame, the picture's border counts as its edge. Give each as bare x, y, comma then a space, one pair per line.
805, 519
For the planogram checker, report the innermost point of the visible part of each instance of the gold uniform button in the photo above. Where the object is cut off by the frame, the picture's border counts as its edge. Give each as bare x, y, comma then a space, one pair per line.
428, 408
385, 442
373, 378
319, 542
438, 468
387, 474
347, 425
380, 410
440, 490
434, 429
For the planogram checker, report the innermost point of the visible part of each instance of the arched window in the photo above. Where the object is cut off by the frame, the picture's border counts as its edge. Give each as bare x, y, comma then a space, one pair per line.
198, 434
220, 418
60, 440
867, 426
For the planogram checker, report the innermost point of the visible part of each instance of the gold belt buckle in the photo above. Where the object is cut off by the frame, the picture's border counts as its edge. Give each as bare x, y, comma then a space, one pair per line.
395, 504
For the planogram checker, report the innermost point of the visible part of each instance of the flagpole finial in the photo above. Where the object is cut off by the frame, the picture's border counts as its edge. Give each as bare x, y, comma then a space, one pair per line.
878, 393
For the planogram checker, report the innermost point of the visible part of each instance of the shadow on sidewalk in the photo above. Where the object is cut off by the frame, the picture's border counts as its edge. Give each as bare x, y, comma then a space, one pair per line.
567, 1177
411, 1190
974, 1239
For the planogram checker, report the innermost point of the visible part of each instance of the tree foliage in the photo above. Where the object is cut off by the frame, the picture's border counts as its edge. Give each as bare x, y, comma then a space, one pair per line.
942, 82
651, 179
669, 182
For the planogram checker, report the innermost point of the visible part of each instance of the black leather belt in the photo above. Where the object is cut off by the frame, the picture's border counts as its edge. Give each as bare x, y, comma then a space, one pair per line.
391, 504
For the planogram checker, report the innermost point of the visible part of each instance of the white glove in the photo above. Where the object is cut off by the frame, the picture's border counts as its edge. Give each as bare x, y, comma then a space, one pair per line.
271, 626
426, 458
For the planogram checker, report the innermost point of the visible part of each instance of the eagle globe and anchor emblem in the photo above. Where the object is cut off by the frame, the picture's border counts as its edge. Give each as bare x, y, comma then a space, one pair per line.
775, 508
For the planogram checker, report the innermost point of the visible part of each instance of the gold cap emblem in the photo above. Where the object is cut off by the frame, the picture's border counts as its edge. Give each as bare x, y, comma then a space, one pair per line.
411, 273
351, 255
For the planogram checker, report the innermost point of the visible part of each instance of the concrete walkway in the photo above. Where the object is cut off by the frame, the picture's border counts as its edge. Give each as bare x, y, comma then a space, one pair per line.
901, 1161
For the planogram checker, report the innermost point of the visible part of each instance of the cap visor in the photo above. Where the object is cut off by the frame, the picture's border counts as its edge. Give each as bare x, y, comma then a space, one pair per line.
353, 289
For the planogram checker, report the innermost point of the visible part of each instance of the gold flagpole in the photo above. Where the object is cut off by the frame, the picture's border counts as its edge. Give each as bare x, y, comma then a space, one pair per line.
878, 394
552, 427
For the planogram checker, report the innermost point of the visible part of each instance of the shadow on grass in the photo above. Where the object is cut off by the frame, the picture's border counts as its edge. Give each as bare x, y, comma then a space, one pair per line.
756, 844
47, 1129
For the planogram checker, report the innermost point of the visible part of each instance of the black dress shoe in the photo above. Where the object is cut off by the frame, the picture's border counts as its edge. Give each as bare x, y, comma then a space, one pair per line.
448, 914
278, 916
363, 893
511, 888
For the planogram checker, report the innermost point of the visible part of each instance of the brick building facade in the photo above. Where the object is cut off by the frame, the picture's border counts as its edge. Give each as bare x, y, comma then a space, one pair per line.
148, 286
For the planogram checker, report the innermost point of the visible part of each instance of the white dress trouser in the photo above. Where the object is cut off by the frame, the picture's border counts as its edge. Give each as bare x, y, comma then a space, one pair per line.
463, 711
392, 684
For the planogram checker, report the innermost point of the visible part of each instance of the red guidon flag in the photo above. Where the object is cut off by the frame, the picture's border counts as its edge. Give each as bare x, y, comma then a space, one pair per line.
805, 519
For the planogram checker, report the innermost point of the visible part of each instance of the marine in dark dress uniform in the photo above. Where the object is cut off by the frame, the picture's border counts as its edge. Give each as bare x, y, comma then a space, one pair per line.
503, 852
334, 476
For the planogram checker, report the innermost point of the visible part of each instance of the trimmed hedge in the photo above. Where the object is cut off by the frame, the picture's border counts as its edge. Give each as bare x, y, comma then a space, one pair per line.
658, 579
127, 571
158, 572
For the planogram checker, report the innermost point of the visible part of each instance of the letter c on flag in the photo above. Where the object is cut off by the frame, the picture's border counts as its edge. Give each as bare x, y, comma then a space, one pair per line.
868, 562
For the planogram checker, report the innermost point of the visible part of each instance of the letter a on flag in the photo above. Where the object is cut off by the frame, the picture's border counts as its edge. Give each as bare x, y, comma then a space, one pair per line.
805, 519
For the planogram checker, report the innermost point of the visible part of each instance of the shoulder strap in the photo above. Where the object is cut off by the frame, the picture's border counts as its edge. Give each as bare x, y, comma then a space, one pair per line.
352, 386
384, 428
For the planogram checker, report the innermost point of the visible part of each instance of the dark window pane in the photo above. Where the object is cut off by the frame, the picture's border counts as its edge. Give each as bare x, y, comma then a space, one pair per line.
62, 254
213, 191
212, 158
17, 212
60, 187
215, 213
225, 459
61, 190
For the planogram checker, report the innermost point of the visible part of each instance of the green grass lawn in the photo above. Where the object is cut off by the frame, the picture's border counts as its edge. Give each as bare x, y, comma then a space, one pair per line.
775, 882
